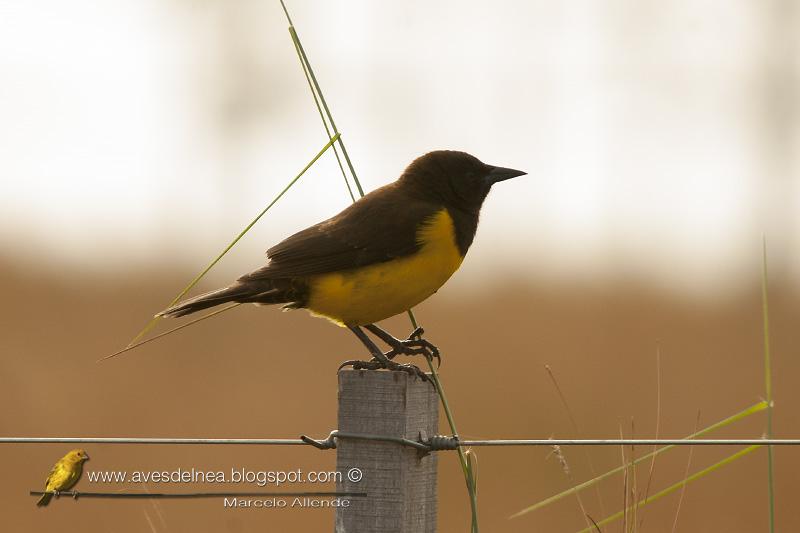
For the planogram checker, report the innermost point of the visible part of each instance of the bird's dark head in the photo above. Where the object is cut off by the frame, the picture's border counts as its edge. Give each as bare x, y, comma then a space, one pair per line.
456, 178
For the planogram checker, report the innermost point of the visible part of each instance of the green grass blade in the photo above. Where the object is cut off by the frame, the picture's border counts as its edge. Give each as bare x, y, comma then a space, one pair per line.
319, 99
469, 478
328, 113
296, 41
578, 434
472, 463
760, 406
153, 321
767, 383
465, 467
169, 331
307, 66
676, 486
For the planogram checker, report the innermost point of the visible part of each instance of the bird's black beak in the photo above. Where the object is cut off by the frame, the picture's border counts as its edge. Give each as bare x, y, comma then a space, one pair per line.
502, 174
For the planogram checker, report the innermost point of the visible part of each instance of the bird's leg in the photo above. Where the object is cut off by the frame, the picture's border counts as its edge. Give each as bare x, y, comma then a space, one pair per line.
379, 359
413, 345
74, 494
57, 493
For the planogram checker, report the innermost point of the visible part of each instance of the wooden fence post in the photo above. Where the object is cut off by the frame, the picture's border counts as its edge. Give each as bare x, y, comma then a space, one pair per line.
400, 483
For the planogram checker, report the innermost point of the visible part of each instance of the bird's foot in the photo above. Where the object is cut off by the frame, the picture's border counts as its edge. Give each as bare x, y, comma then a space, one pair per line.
57, 493
414, 345
376, 364
74, 494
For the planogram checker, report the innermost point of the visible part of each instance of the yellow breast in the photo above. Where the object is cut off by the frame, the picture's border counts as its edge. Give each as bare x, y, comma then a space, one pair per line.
64, 475
376, 292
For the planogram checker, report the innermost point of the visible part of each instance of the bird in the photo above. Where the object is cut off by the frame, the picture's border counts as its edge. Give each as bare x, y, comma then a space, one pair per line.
379, 257
65, 473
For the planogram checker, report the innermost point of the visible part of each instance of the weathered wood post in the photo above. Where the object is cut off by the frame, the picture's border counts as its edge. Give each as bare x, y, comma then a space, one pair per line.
400, 482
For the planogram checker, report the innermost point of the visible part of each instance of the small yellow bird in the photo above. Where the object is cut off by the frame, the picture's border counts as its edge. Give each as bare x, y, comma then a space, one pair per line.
65, 473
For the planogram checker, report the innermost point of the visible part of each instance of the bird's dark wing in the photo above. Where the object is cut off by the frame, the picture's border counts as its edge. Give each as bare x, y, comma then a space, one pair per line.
379, 227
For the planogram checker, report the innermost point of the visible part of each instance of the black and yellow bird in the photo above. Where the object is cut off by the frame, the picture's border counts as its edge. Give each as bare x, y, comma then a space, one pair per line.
379, 257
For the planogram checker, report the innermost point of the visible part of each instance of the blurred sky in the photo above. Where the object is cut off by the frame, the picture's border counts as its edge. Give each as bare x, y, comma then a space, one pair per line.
661, 138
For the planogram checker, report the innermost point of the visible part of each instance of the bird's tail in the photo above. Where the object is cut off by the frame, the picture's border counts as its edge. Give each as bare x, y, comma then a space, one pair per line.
262, 291
45, 499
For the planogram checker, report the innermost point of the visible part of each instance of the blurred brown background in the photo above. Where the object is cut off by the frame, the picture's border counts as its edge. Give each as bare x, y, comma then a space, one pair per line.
661, 142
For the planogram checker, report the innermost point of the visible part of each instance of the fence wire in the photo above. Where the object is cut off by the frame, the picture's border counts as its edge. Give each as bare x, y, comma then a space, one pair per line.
436, 443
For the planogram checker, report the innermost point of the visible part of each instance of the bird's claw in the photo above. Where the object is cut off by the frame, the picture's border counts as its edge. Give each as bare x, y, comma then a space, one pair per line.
373, 364
416, 345
408, 368
376, 364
